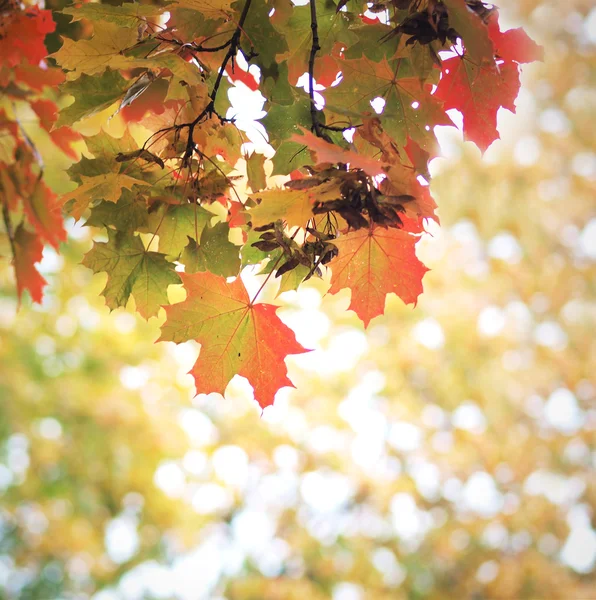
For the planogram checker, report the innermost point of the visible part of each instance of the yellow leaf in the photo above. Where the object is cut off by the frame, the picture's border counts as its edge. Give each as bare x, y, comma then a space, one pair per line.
210, 9
101, 51
293, 206
102, 187
182, 70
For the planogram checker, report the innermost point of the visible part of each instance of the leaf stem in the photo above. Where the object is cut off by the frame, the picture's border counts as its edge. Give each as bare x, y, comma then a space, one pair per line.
252, 302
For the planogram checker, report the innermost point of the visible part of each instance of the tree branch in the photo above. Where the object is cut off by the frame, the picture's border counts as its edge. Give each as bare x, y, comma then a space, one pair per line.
210, 108
315, 47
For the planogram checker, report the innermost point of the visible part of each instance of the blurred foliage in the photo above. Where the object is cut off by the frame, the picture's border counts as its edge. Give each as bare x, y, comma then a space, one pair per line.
448, 453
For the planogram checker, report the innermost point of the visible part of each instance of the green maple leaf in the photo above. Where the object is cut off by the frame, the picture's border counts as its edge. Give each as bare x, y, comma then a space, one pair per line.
128, 214
132, 271
291, 280
281, 122
175, 223
333, 27
261, 32
104, 144
92, 94
255, 171
410, 110
473, 31
214, 253
374, 51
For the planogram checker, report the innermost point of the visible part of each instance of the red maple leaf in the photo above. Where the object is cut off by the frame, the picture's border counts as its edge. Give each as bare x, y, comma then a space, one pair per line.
152, 100
237, 74
26, 37
236, 336
373, 263
28, 251
38, 77
514, 44
478, 92
44, 212
63, 137
47, 112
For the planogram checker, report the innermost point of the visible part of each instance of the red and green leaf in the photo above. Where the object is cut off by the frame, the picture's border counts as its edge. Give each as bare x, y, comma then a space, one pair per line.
237, 337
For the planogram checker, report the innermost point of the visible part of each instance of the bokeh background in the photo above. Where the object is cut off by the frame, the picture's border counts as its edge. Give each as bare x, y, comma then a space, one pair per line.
447, 453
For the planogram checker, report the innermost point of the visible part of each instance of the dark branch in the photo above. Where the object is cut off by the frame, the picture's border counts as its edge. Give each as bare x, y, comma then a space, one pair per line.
315, 47
210, 108
337, 128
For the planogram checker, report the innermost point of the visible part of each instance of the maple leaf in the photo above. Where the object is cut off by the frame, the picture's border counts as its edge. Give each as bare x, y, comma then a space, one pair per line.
128, 214
107, 186
130, 14
210, 9
410, 110
174, 224
214, 138
103, 50
330, 153
333, 27
293, 206
132, 271
478, 92
255, 171
373, 263
37, 77
472, 30
478, 89
214, 253
64, 137
42, 208
236, 74
236, 336
281, 122
25, 39
91, 94
514, 44
260, 31
46, 111
28, 251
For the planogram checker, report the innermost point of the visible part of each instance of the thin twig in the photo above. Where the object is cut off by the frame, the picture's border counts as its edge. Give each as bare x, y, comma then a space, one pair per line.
252, 302
336, 128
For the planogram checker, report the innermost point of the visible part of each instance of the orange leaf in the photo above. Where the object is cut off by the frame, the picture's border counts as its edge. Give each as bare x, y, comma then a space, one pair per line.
236, 336
63, 137
47, 112
25, 39
330, 153
28, 251
373, 263
44, 213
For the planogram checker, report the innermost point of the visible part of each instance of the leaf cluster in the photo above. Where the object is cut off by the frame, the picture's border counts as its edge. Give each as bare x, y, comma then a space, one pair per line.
169, 189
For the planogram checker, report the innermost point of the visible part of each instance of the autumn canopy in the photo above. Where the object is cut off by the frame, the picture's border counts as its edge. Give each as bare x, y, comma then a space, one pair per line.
352, 96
